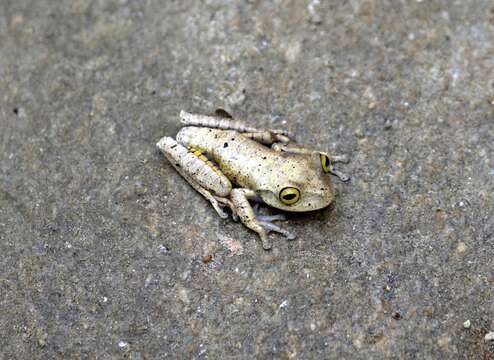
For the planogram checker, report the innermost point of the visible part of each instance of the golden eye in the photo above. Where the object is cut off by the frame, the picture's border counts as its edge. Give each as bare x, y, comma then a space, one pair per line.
289, 195
325, 162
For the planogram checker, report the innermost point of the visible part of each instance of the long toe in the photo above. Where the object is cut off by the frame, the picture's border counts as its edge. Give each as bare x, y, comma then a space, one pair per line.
275, 228
269, 218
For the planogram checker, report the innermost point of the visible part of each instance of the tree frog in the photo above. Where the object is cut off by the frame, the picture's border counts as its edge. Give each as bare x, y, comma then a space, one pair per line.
231, 163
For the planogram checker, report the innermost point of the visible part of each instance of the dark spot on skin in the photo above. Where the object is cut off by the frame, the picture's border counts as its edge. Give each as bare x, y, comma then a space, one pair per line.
233, 139
322, 189
309, 204
16, 110
177, 165
216, 136
264, 157
225, 145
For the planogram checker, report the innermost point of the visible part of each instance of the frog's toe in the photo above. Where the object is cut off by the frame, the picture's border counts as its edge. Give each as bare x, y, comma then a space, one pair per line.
270, 227
224, 202
222, 214
342, 176
269, 218
266, 242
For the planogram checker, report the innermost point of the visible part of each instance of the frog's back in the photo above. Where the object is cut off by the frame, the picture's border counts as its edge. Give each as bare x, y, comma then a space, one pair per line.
243, 160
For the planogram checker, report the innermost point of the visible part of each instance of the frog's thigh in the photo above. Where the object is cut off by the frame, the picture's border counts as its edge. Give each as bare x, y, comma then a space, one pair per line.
208, 181
246, 214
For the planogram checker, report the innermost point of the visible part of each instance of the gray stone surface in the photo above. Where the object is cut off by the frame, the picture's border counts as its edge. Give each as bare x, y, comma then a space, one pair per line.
102, 243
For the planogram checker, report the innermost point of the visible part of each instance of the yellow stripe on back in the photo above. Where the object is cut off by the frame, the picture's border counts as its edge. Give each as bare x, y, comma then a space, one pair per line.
202, 157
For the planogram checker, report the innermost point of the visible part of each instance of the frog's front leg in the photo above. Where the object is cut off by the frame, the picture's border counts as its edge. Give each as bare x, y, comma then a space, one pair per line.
199, 173
261, 225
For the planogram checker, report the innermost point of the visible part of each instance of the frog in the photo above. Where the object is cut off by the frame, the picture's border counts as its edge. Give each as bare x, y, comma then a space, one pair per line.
233, 164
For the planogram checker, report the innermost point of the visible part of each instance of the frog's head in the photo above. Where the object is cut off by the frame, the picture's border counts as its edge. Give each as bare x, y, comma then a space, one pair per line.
301, 184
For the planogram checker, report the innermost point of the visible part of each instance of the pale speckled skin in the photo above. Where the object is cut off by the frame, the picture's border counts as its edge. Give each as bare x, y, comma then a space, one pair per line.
254, 166
258, 172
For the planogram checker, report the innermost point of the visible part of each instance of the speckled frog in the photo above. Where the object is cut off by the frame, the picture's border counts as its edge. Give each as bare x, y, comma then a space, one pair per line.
230, 164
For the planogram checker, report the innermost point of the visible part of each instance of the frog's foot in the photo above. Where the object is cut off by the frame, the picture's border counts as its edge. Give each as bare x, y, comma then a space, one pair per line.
269, 226
337, 159
342, 176
266, 222
225, 202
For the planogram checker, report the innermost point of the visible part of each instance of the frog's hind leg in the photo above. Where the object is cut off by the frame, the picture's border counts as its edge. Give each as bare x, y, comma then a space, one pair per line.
220, 121
199, 173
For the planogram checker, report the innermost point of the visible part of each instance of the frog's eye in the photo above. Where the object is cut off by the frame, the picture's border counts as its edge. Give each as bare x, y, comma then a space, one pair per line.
289, 195
325, 162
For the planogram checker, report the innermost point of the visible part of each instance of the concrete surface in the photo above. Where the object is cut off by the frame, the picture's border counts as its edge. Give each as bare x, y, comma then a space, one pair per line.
107, 253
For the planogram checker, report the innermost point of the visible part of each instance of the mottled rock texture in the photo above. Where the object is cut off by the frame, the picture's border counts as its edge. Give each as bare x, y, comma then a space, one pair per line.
107, 253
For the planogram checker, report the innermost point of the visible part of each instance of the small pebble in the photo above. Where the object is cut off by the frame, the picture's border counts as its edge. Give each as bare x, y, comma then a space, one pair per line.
359, 133
489, 336
396, 315
388, 124
467, 324
207, 258
163, 248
